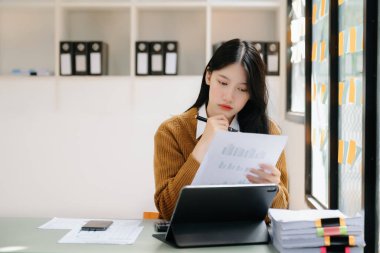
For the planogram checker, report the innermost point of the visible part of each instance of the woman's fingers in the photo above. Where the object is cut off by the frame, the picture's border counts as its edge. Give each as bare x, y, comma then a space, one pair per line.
265, 174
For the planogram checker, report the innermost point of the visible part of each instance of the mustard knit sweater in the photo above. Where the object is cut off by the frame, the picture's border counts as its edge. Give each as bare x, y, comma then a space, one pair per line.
175, 166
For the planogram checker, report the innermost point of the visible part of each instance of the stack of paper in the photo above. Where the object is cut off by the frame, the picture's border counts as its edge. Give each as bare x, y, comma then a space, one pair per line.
309, 231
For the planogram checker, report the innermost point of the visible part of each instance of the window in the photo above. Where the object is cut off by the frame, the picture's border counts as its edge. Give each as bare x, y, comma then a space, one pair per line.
296, 61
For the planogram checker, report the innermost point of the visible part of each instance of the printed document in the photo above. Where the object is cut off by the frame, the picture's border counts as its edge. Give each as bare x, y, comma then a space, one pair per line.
232, 155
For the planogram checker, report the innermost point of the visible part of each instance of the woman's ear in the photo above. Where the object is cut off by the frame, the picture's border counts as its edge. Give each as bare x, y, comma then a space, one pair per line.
208, 77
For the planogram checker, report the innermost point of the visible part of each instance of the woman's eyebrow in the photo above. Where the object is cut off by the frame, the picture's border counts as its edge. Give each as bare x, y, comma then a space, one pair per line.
225, 77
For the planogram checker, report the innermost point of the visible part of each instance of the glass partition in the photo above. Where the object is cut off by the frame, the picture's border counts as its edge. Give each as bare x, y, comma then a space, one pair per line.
350, 101
320, 99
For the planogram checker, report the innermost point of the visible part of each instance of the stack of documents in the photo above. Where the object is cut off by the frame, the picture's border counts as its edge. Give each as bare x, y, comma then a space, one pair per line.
310, 231
120, 232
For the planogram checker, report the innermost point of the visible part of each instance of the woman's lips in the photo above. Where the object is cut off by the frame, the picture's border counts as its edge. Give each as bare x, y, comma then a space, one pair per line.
225, 107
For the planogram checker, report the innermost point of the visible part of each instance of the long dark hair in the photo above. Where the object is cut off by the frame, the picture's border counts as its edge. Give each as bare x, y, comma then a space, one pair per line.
253, 117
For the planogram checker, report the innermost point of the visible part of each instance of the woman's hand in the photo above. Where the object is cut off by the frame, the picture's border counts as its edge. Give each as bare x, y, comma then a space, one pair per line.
215, 123
264, 174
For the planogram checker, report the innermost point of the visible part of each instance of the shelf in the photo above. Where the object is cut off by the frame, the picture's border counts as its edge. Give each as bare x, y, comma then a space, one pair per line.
257, 5
26, 39
188, 27
109, 26
254, 19
33, 43
26, 3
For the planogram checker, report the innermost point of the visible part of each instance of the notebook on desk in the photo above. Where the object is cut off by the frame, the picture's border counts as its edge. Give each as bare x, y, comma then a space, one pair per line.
220, 215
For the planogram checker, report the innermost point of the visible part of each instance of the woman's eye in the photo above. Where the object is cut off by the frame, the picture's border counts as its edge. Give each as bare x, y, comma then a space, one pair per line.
222, 83
242, 89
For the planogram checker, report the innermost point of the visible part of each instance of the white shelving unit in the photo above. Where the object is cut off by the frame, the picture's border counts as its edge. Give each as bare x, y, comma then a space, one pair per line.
30, 30
71, 134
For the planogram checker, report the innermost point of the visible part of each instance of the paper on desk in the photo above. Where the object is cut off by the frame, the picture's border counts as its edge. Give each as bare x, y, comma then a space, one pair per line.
63, 223
120, 232
231, 155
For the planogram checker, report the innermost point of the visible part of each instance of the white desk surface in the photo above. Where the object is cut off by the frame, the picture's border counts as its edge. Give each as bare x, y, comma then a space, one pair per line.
23, 232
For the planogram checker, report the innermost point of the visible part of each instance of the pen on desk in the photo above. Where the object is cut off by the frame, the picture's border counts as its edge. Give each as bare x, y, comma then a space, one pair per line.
230, 129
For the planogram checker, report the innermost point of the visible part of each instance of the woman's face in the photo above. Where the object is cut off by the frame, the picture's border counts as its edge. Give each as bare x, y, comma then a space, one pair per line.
228, 91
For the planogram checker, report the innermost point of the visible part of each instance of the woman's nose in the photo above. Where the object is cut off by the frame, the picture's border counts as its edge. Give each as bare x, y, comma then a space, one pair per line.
228, 95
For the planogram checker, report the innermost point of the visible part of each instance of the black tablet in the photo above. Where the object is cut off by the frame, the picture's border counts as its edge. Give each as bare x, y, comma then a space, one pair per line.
220, 215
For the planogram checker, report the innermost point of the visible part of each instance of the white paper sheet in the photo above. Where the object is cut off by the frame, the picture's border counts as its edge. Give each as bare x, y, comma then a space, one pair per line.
63, 223
231, 155
120, 232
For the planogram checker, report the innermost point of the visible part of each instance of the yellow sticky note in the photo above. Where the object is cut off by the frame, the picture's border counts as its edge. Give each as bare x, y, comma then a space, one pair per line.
341, 90
314, 16
314, 52
340, 151
351, 152
341, 44
323, 8
340, 2
323, 48
352, 91
352, 47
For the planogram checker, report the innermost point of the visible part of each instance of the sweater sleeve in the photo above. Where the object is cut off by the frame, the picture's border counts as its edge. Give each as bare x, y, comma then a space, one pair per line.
172, 171
281, 200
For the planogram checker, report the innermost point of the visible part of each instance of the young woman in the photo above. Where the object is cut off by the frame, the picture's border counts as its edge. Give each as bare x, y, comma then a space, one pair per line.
233, 94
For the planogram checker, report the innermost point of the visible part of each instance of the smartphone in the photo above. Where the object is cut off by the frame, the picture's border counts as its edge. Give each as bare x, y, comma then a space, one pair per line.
97, 225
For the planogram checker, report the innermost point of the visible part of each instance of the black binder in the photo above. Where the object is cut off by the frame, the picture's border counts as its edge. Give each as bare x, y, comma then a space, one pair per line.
80, 58
170, 57
142, 58
66, 59
97, 58
260, 47
156, 58
218, 215
273, 58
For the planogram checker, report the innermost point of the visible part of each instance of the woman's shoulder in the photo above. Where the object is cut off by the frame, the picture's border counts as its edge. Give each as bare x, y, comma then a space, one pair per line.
273, 127
180, 122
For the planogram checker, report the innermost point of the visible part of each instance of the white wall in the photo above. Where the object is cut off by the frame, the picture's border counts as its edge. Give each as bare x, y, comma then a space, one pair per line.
83, 147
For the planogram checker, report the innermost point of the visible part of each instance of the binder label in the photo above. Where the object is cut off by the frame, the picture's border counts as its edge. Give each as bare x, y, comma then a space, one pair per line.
142, 63
66, 64
95, 60
80, 61
157, 62
171, 63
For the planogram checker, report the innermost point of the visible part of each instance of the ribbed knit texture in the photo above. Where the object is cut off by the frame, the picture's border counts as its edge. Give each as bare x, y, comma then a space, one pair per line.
175, 167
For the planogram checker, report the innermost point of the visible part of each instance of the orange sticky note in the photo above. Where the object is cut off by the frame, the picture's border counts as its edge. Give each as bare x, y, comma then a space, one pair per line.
352, 48
314, 92
340, 2
314, 52
341, 44
323, 8
323, 91
341, 89
314, 16
323, 48
340, 151
322, 140
351, 152
352, 91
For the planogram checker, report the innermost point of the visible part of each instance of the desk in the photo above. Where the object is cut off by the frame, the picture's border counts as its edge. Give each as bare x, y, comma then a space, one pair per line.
24, 232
